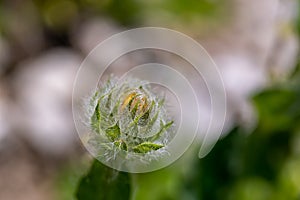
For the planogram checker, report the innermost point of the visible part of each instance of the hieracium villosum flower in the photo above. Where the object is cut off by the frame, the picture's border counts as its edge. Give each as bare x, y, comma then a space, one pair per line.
126, 116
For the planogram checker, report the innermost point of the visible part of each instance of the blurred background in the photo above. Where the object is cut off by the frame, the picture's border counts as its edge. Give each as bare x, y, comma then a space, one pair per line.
254, 43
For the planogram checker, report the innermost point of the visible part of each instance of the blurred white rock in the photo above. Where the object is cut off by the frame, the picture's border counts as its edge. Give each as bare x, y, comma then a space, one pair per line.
5, 125
284, 54
43, 91
241, 75
91, 33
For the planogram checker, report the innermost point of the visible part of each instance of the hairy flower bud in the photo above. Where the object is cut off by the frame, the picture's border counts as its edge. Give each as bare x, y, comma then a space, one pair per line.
126, 116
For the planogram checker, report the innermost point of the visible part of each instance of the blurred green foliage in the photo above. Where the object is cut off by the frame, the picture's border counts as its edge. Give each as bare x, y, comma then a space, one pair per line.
104, 183
189, 9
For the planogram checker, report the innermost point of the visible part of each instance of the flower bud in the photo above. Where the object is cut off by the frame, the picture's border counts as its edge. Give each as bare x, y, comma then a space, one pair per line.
126, 116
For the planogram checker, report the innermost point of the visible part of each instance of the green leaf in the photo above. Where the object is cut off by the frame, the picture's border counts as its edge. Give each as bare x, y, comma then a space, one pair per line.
163, 128
143, 120
121, 144
113, 132
104, 183
133, 111
108, 102
146, 147
95, 119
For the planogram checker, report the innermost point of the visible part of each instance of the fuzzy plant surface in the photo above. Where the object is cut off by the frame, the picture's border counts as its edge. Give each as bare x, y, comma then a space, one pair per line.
126, 116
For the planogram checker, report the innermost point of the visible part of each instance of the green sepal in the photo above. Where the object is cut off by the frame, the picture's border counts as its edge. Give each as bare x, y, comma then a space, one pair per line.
95, 119
163, 128
143, 120
134, 110
146, 147
108, 101
94, 98
113, 132
121, 144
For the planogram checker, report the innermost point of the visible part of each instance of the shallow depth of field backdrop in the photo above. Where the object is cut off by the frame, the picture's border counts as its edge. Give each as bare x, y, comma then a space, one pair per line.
255, 45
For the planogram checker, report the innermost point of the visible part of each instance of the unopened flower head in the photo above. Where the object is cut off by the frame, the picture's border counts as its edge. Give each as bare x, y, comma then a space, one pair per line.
126, 117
